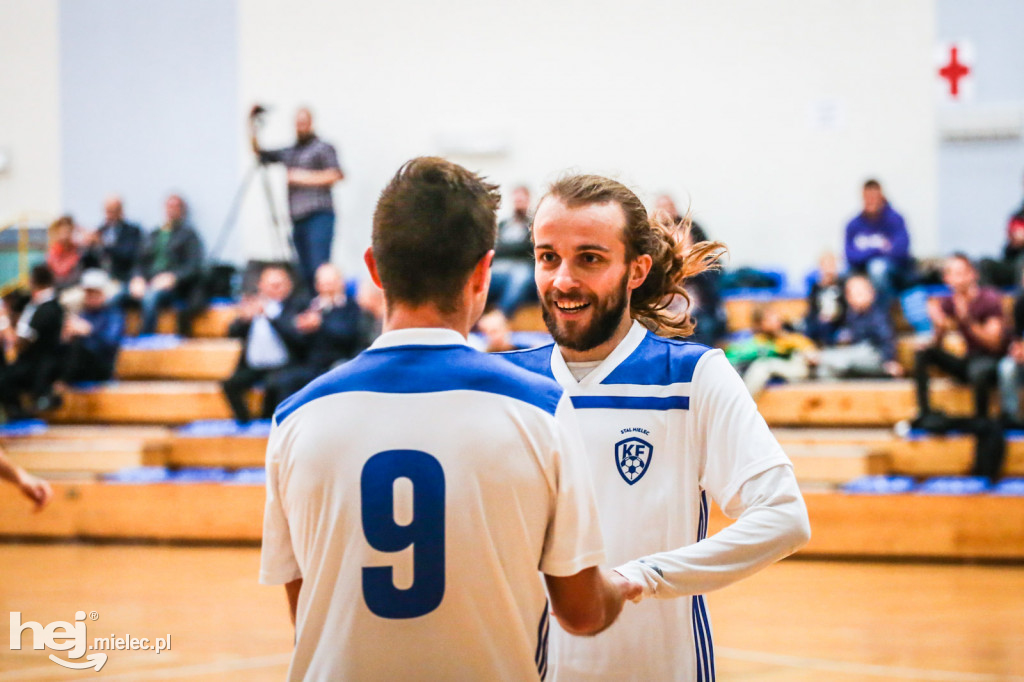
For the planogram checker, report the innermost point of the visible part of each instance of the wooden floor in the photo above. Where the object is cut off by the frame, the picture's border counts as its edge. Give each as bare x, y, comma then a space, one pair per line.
798, 621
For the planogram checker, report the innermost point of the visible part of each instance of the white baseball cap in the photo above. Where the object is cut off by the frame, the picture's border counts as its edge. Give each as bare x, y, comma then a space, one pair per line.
95, 279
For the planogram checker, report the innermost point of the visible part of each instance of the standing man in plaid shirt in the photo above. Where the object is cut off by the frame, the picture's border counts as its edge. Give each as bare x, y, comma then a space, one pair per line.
312, 170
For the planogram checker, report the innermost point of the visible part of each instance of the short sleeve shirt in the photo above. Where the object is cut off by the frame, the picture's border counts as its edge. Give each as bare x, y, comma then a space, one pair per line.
312, 155
986, 305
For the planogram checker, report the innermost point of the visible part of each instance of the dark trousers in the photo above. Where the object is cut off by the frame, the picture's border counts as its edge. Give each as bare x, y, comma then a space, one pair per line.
312, 236
278, 384
980, 372
83, 365
34, 376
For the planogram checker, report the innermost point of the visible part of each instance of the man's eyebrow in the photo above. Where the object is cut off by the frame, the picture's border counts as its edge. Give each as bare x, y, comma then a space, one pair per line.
581, 247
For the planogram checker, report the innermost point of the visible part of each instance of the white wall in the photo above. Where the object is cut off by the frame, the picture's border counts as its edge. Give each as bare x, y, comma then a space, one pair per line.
714, 101
29, 107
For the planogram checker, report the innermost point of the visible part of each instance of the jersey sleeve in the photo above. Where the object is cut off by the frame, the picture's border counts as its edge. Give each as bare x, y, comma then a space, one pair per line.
278, 564
733, 436
573, 540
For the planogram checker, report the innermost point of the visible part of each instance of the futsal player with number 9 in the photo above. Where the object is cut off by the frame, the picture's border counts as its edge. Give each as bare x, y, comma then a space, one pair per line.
414, 493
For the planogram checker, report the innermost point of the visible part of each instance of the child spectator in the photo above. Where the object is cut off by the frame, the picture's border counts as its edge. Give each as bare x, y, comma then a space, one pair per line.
825, 303
773, 352
864, 345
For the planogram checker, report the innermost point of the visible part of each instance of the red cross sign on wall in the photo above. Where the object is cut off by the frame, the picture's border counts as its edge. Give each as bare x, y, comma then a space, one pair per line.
953, 71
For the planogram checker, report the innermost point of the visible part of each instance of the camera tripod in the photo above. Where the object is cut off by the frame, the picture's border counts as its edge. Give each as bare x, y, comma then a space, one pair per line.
283, 239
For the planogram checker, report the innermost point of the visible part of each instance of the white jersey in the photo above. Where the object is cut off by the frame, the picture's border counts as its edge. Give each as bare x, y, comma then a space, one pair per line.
665, 422
417, 491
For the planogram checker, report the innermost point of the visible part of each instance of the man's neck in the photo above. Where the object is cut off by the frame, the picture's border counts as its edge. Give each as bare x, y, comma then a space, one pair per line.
426, 317
602, 351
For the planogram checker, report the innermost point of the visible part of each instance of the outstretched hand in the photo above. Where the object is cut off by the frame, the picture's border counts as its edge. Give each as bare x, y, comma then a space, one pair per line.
627, 588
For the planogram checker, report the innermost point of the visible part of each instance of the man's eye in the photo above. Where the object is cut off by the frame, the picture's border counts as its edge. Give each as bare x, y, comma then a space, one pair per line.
546, 257
591, 258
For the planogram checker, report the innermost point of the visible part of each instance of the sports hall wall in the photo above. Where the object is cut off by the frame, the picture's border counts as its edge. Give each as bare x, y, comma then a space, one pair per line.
767, 116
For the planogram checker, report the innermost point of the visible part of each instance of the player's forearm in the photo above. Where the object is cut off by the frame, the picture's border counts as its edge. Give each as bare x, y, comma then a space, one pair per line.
773, 526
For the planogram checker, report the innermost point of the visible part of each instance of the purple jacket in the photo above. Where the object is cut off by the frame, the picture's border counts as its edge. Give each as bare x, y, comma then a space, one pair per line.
884, 236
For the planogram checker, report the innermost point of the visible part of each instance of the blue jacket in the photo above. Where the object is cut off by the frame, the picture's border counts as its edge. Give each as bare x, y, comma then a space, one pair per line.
107, 331
866, 237
871, 326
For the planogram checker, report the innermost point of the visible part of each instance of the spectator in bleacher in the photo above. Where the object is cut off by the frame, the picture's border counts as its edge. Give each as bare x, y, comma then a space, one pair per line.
313, 170
878, 245
497, 334
169, 269
1011, 369
37, 346
512, 271
704, 289
977, 314
64, 255
115, 245
271, 342
864, 345
371, 300
35, 489
1006, 272
773, 352
333, 329
826, 305
92, 336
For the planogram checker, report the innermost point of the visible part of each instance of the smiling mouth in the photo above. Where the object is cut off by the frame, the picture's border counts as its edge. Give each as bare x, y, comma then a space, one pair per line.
571, 306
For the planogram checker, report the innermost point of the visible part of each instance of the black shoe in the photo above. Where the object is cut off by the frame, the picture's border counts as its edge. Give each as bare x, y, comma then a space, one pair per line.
1011, 422
933, 421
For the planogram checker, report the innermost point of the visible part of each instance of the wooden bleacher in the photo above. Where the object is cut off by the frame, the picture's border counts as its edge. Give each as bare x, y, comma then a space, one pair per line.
133, 422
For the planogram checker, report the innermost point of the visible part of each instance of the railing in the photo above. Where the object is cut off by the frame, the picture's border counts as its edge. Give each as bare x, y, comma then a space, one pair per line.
25, 224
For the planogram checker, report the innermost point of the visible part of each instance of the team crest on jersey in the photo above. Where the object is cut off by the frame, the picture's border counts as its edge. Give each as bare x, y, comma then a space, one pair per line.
633, 458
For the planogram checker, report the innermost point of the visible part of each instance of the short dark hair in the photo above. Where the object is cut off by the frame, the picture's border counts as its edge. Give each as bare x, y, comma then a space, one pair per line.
433, 223
41, 277
871, 183
961, 256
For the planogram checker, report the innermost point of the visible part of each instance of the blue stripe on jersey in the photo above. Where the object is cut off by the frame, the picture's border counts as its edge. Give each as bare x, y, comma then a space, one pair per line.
428, 369
658, 362
699, 612
541, 656
612, 402
536, 360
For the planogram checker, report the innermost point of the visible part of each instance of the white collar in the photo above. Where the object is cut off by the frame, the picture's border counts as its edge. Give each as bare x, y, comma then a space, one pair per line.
564, 376
420, 336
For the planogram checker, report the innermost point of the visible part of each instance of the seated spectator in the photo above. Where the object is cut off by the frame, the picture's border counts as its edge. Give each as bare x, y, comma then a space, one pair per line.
115, 245
64, 255
977, 314
1011, 369
333, 329
35, 489
705, 289
826, 306
773, 352
371, 300
271, 342
512, 271
37, 347
1006, 272
497, 335
93, 336
169, 269
877, 244
864, 345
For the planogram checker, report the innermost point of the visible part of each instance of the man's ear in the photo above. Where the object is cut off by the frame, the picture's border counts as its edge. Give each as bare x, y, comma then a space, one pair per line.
480, 278
639, 268
371, 265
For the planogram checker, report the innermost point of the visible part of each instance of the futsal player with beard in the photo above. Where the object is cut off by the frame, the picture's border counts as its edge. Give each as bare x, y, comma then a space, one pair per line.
666, 423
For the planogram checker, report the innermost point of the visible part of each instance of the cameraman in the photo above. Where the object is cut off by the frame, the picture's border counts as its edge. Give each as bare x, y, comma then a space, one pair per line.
312, 170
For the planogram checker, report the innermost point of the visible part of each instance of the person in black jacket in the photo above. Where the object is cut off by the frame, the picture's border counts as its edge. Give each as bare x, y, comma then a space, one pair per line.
334, 329
115, 245
826, 302
271, 342
169, 269
38, 349
512, 271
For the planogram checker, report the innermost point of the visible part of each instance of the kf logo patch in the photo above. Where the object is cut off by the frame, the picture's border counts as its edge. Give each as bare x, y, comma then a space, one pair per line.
633, 458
